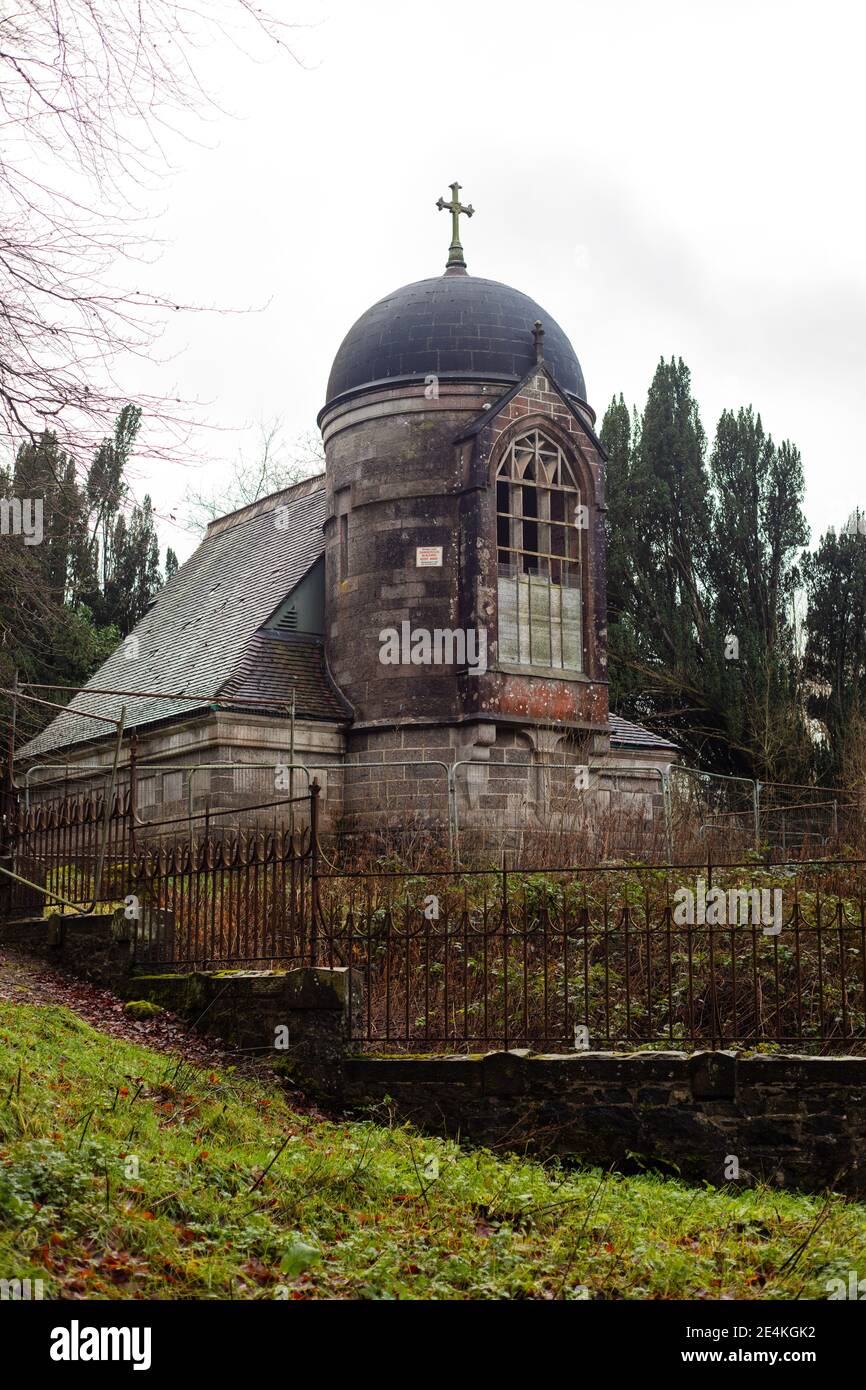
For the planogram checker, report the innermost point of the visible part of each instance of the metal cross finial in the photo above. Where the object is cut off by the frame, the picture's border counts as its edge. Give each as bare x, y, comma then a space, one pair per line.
456, 264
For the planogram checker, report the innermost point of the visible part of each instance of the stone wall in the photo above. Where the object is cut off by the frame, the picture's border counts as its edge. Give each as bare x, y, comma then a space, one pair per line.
96, 946
296, 1020
512, 789
710, 1116
794, 1121
402, 474
231, 759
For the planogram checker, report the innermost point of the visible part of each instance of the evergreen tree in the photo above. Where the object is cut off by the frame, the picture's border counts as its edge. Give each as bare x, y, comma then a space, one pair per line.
616, 435
119, 572
835, 659
43, 471
757, 535
106, 492
65, 603
659, 516
134, 578
702, 579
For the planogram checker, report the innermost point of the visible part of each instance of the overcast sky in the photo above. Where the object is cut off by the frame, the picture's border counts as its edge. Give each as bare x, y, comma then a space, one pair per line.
663, 178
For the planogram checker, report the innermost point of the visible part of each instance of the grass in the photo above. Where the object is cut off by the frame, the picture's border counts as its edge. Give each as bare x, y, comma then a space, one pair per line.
125, 1174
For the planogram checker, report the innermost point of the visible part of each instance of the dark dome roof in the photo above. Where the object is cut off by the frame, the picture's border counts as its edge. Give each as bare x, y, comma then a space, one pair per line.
453, 326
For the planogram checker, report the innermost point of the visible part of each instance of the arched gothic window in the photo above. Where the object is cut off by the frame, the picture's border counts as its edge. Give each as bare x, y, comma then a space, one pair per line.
541, 522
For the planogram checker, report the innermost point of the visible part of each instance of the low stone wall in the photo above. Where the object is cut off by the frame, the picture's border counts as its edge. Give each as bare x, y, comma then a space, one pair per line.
795, 1121
716, 1116
296, 1020
96, 946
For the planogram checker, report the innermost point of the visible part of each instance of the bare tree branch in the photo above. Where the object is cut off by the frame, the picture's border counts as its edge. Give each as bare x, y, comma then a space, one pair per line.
277, 465
90, 93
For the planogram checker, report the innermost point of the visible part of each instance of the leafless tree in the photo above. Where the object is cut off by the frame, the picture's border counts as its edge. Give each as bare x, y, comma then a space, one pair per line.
277, 465
91, 94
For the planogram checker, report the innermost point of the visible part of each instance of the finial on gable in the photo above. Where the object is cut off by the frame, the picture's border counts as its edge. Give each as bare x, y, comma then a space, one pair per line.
538, 339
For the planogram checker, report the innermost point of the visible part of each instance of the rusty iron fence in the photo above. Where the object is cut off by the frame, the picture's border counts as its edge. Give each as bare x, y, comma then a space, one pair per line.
593, 958
200, 872
72, 850
220, 902
751, 954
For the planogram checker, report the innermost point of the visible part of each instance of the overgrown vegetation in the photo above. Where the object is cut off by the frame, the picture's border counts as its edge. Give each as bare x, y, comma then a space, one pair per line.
125, 1173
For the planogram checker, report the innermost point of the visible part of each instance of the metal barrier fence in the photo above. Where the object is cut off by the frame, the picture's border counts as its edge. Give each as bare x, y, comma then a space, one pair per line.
251, 790
717, 813
544, 805
474, 806
483, 807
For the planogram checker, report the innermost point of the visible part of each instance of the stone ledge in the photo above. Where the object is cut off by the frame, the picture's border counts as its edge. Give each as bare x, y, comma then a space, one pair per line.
795, 1122
298, 1020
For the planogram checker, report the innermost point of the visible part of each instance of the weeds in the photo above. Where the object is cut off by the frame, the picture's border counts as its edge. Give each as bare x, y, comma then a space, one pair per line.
124, 1175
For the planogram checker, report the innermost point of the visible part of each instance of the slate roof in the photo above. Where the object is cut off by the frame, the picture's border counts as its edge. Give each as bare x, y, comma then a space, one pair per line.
451, 325
623, 733
207, 613
202, 634
273, 665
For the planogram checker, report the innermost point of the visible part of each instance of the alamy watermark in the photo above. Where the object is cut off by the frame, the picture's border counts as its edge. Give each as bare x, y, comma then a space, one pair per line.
21, 1290
77, 1343
714, 907
854, 1288
438, 646
22, 516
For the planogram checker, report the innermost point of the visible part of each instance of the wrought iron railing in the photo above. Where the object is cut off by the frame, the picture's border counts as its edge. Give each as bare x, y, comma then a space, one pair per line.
755, 954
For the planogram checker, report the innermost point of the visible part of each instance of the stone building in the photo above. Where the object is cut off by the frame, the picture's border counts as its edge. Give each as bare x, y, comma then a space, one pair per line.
435, 598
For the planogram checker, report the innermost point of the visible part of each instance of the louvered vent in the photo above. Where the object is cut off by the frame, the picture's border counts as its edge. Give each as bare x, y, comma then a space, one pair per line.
288, 621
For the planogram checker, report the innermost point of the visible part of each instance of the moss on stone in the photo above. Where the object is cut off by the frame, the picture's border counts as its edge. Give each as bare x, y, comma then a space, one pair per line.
145, 979
222, 974
142, 1009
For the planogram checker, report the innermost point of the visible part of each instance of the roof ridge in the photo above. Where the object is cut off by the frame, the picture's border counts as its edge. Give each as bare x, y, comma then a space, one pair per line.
266, 504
